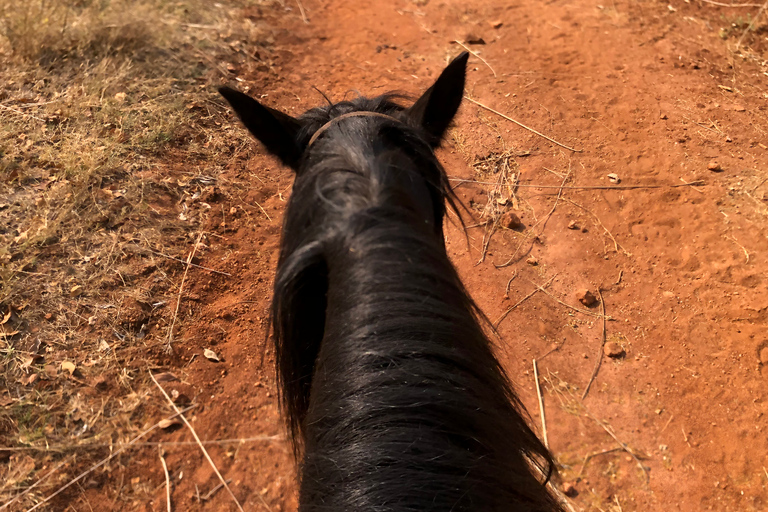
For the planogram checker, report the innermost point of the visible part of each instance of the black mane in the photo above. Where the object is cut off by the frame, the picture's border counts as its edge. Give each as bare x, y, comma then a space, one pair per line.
394, 398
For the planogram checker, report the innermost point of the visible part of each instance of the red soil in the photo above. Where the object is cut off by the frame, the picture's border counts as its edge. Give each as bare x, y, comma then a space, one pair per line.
646, 92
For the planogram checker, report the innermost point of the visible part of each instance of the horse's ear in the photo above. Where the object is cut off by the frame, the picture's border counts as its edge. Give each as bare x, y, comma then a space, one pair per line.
435, 109
277, 131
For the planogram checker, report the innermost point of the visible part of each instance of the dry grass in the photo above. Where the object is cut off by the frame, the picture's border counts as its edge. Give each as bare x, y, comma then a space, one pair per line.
110, 143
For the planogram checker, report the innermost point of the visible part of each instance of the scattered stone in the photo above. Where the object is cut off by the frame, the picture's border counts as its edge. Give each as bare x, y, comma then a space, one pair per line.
211, 355
614, 178
474, 39
764, 356
511, 221
76, 291
613, 350
586, 297
570, 490
664, 116
714, 166
573, 225
496, 24
532, 261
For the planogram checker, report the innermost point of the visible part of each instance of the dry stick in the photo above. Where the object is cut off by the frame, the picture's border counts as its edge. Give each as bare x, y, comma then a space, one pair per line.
541, 405
504, 315
697, 183
167, 481
621, 443
21, 113
582, 311
29, 489
303, 18
543, 221
596, 454
191, 264
599, 350
749, 27
729, 5
616, 244
213, 491
478, 56
168, 347
522, 125
99, 464
506, 290
59, 448
263, 211
200, 444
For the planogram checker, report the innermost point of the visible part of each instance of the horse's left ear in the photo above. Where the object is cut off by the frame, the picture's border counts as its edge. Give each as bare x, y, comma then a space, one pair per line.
435, 109
277, 131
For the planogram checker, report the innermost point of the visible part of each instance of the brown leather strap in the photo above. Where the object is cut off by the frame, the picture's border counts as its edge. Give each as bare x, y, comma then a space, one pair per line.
327, 125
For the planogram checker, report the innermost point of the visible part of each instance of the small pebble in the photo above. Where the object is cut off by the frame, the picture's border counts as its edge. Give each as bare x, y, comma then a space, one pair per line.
715, 166
586, 297
573, 225
764, 356
613, 349
664, 116
532, 261
511, 221
496, 23
569, 489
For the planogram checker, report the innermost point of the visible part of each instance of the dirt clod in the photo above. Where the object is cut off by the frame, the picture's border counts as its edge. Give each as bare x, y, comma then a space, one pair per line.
714, 166
613, 350
569, 489
511, 221
586, 297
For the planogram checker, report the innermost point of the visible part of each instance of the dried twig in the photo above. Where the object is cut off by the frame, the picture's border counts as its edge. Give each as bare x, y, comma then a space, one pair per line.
697, 183
522, 125
541, 404
752, 23
620, 442
578, 310
595, 454
599, 350
478, 56
543, 221
506, 289
616, 244
167, 482
720, 4
41, 480
304, 19
200, 444
168, 344
213, 491
102, 462
504, 315
190, 263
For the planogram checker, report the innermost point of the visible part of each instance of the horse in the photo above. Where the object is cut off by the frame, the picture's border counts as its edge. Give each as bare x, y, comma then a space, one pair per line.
394, 399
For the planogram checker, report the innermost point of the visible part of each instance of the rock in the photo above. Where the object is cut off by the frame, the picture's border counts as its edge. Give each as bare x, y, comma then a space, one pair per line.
764, 355
613, 350
586, 297
474, 39
570, 490
532, 261
496, 24
511, 221
714, 166
664, 116
573, 225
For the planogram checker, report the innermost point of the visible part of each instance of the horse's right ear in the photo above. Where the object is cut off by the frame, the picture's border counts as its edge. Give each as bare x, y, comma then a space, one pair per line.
435, 109
277, 131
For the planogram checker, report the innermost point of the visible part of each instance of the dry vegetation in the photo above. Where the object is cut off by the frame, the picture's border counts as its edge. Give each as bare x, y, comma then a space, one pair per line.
111, 141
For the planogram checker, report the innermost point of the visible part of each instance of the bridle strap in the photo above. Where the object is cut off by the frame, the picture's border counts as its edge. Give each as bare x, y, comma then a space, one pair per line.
327, 125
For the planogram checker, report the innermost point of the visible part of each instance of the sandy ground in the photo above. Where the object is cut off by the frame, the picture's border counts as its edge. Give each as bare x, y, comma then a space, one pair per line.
646, 92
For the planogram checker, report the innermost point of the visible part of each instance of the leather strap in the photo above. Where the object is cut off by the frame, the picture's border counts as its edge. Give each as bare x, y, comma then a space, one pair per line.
327, 125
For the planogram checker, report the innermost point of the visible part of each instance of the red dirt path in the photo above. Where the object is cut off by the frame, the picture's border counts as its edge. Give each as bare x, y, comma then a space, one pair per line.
637, 86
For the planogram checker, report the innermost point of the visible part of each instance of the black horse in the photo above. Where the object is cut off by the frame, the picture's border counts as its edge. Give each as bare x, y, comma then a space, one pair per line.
394, 398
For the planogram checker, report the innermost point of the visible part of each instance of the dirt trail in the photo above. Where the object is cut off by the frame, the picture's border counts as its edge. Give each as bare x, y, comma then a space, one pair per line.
647, 93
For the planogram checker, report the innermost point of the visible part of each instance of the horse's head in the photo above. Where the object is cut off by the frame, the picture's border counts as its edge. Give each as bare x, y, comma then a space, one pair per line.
290, 138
